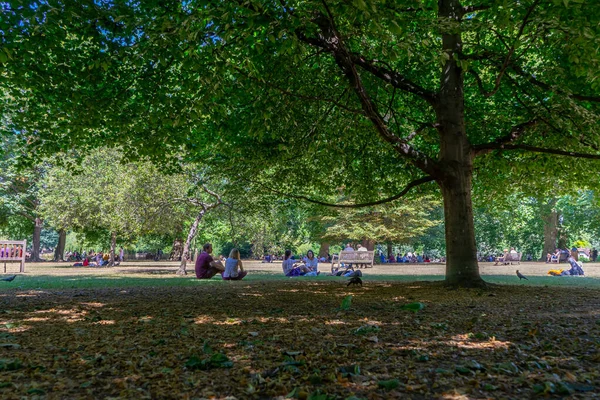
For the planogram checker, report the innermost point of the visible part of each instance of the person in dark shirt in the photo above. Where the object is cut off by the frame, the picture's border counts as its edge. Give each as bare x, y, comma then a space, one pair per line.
206, 266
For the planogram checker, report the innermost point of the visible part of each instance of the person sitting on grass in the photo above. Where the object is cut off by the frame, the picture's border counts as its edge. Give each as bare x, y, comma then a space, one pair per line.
312, 263
502, 259
576, 268
232, 264
290, 268
206, 267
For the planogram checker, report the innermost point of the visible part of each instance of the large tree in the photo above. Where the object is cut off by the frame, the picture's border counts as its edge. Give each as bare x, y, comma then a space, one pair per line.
385, 94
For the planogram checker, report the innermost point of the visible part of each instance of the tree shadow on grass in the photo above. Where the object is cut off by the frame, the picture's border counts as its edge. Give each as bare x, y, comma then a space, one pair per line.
286, 336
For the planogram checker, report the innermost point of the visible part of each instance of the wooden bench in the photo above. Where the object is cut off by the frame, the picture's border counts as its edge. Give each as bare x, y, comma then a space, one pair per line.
509, 258
359, 258
513, 257
13, 251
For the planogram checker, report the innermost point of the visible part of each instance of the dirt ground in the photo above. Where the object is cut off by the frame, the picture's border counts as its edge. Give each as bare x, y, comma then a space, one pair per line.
300, 339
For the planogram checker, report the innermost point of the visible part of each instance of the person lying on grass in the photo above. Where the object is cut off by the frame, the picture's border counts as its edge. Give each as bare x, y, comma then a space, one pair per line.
206, 266
234, 271
290, 267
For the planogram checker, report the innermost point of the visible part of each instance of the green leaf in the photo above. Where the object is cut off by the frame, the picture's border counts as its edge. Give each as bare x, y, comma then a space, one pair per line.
346, 303
414, 307
389, 384
395, 28
10, 364
206, 349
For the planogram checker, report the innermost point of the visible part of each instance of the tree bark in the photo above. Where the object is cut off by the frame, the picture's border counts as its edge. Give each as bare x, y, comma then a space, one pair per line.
177, 250
550, 218
462, 268
60, 247
113, 245
186, 246
37, 232
456, 159
324, 250
368, 244
389, 250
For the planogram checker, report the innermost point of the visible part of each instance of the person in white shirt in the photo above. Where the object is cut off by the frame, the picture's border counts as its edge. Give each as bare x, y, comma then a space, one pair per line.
232, 264
312, 263
289, 266
361, 248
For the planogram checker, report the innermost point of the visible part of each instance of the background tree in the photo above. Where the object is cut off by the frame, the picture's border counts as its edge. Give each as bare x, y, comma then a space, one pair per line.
19, 203
105, 193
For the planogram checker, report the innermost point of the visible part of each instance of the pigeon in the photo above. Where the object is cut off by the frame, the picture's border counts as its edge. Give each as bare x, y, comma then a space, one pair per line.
355, 281
521, 276
9, 279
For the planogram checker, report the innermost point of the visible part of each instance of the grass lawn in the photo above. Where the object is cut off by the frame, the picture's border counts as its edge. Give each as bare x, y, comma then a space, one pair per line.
139, 331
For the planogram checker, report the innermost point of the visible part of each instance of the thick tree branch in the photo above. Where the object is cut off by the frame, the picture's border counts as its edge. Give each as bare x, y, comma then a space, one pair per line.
395, 79
372, 203
545, 86
535, 149
516, 132
330, 39
493, 58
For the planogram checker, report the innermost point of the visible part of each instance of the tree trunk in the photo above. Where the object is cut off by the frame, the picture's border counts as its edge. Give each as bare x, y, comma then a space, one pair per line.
462, 268
456, 158
186, 246
324, 250
177, 250
389, 250
550, 218
60, 247
37, 231
368, 244
113, 245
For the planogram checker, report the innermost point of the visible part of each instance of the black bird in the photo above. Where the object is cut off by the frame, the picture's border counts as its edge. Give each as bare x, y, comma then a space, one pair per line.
355, 280
9, 279
521, 276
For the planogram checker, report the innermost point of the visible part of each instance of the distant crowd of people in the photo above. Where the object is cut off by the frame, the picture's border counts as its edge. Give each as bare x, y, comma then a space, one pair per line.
408, 257
93, 258
11, 251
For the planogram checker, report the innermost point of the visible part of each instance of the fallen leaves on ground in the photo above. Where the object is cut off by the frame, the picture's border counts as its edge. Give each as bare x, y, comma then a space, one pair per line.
300, 339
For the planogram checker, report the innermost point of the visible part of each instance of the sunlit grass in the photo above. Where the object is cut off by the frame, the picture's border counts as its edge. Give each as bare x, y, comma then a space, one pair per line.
31, 282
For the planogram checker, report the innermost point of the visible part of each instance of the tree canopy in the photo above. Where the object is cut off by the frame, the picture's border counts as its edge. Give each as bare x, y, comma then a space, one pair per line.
374, 97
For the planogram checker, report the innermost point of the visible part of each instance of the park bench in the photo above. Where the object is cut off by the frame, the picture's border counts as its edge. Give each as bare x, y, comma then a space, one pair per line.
513, 257
358, 258
13, 251
509, 258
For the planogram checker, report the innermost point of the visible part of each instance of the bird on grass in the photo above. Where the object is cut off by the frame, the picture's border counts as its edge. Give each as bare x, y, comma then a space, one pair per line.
521, 276
9, 278
355, 280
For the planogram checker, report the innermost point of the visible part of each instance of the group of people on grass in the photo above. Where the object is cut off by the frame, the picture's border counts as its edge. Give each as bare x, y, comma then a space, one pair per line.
93, 259
269, 258
408, 257
232, 268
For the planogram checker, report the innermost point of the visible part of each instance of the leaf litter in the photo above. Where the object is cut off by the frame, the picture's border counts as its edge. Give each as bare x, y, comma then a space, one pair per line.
303, 340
